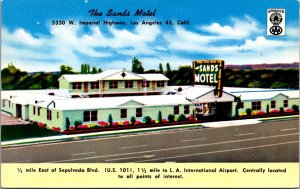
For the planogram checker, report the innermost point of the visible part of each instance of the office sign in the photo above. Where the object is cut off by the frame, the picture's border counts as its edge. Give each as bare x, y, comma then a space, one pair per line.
209, 72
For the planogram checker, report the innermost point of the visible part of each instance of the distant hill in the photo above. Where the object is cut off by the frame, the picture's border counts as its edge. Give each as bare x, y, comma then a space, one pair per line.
294, 65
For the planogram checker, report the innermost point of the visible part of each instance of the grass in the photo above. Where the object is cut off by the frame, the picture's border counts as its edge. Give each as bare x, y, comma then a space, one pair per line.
14, 132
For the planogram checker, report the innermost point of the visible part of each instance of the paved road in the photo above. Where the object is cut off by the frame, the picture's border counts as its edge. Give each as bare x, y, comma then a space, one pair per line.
276, 141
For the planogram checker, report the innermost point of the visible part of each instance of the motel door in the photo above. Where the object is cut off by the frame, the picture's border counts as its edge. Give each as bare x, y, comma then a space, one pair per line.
18, 110
86, 87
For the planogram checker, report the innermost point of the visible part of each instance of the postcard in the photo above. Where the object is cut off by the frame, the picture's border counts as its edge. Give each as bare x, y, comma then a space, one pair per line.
149, 94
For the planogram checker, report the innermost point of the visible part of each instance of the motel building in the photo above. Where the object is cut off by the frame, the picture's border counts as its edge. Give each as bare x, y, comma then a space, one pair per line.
122, 94
113, 83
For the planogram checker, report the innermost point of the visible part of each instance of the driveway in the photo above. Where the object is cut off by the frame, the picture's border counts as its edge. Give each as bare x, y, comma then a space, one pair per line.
7, 119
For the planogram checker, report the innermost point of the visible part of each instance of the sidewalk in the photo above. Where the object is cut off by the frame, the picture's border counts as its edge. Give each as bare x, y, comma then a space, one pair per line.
132, 131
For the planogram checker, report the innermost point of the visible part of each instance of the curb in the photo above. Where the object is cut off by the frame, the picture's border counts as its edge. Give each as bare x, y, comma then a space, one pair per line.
266, 119
52, 139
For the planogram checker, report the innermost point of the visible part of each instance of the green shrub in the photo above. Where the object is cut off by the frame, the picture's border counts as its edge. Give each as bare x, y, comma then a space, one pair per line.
77, 123
295, 108
281, 109
171, 118
147, 120
181, 117
159, 117
248, 111
132, 120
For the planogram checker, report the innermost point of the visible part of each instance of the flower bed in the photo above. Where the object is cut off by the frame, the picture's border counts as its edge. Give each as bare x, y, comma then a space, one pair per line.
120, 127
275, 113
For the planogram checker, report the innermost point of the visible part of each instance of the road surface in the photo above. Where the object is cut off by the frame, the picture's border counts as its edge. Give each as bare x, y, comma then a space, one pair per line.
275, 141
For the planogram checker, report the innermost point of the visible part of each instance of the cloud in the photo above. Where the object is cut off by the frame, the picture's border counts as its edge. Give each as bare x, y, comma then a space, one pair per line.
240, 42
240, 29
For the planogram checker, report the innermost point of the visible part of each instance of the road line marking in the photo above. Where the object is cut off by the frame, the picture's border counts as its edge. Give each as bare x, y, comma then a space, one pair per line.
126, 147
136, 157
22, 161
174, 148
243, 134
196, 139
288, 129
220, 151
85, 153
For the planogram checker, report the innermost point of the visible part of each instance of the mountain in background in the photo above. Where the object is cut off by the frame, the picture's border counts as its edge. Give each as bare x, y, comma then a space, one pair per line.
294, 65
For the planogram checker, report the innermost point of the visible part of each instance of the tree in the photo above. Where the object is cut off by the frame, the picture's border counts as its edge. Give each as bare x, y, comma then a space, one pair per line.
67, 123
161, 69
159, 117
168, 67
110, 119
132, 120
64, 69
100, 70
94, 70
137, 66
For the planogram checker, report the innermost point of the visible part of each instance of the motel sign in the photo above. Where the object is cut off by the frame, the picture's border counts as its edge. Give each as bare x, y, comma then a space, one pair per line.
209, 72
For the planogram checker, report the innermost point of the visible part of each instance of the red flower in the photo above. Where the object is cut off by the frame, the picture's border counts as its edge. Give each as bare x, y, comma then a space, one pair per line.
190, 118
103, 123
164, 121
56, 129
41, 124
83, 127
274, 111
289, 110
115, 124
137, 122
260, 113
126, 123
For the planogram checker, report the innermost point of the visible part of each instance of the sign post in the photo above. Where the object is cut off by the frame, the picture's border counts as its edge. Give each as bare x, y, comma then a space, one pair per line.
209, 72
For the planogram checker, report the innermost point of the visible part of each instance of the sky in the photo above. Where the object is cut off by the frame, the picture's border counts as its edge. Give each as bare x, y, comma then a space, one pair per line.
231, 30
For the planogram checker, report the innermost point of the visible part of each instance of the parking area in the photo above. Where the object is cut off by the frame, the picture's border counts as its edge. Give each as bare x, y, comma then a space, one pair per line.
7, 119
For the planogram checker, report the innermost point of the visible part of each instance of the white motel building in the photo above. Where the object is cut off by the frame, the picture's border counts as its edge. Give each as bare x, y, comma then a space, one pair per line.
124, 94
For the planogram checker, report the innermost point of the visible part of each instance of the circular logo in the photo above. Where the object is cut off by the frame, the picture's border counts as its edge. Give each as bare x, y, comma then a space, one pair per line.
276, 18
275, 30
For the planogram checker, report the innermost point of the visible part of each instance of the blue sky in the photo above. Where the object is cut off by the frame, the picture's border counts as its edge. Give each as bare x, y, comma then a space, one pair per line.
233, 30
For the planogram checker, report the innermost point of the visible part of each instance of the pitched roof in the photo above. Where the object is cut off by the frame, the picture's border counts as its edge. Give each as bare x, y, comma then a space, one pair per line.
113, 75
114, 102
154, 77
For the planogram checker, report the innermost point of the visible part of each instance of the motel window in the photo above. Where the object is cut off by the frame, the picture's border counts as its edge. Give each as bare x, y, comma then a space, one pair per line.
33, 110
139, 112
186, 109
176, 110
95, 85
90, 116
113, 84
256, 105
273, 104
285, 103
9, 104
77, 85
123, 113
57, 115
160, 84
128, 84
51, 94
3, 103
49, 115
39, 111
146, 84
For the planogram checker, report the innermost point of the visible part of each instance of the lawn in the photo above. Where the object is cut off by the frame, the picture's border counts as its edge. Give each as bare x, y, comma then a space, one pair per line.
13, 132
